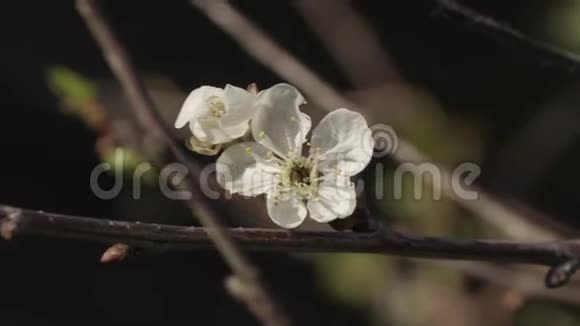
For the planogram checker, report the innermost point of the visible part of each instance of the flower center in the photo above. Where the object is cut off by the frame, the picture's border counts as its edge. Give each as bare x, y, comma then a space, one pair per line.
216, 107
300, 175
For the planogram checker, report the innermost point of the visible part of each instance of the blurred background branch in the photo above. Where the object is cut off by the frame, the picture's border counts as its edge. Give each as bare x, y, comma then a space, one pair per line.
254, 294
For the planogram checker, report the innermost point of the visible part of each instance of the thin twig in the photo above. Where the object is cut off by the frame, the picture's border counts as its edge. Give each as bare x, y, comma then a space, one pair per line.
266, 51
567, 59
259, 302
156, 237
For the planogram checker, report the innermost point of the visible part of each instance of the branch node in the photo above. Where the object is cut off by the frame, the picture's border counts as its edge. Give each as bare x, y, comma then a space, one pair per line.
9, 217
116, 253
561, 274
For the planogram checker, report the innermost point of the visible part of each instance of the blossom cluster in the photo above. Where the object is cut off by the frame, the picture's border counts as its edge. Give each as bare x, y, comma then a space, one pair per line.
267, 150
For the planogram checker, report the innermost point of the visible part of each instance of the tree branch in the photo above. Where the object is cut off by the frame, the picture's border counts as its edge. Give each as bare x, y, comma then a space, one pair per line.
567, 59
255, 295
16, 222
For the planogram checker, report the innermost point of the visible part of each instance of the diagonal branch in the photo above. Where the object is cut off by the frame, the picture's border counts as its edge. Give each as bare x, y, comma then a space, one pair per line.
17, 223
567, 59
341, 29
255, 295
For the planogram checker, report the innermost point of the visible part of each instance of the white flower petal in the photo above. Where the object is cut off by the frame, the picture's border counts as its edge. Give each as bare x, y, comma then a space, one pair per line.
237, 130
306, 124
244, 168
212, 131
239, 105
209, 131
195, 105
278, 123
344, 141
288, 212
336, 199
347, 163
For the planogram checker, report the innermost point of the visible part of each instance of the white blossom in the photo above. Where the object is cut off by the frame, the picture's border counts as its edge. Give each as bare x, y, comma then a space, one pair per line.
295, 184
215, 115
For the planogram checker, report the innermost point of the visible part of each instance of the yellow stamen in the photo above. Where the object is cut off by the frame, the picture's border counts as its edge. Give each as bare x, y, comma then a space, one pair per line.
216, 107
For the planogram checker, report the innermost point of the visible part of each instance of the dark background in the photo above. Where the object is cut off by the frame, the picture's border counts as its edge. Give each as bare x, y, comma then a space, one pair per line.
47, 156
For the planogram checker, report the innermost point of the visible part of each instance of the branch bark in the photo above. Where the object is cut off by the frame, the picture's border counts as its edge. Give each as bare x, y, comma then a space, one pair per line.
16, 223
